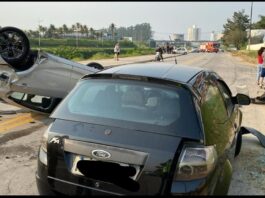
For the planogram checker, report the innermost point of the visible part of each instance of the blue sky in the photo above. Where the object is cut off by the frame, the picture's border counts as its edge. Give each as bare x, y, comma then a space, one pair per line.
165, 17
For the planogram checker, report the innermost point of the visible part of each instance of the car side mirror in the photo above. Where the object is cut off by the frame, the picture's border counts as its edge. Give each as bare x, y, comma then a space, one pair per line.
241, 99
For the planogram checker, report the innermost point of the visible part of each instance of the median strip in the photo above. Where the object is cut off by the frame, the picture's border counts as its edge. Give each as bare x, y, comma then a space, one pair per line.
19, 121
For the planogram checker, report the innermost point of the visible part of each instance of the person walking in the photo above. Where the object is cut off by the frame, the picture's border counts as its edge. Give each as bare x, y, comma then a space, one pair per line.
260, 67
117, 51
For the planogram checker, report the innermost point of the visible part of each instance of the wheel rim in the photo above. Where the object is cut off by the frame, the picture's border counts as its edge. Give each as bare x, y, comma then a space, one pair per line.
11, 45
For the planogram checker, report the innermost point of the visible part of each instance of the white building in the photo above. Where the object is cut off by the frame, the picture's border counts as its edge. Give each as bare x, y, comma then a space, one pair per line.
194, 33
215, 37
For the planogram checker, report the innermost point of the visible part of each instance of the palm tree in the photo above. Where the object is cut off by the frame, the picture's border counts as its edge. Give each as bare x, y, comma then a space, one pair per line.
51, 30
85, 30
92, 32
112, 28
42, 29
65, 29
60, 31
73, 28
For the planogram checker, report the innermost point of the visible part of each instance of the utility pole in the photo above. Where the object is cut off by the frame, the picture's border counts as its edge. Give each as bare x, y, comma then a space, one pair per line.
250, 26
39, 21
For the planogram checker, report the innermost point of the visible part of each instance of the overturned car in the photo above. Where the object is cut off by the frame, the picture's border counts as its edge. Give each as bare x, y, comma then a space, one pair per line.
34, 79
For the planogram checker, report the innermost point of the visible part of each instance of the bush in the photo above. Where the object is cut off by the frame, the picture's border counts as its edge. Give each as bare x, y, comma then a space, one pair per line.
71, 42
95, 53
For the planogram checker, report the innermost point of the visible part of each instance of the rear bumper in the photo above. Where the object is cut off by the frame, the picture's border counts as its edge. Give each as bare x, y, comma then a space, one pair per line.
53, 186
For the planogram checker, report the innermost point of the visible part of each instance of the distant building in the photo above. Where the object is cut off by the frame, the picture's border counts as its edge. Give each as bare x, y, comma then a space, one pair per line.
127, 38
194, 33
212, 36
257, 32
178, 37
215, 37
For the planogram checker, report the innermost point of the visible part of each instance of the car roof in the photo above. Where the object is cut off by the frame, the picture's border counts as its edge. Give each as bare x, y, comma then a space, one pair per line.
173, 72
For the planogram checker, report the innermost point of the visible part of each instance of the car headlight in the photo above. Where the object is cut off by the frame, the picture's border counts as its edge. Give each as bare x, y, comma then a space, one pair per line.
43, 148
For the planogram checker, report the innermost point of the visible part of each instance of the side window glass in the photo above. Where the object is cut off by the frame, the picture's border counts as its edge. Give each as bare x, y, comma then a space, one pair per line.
225, 91
213, 106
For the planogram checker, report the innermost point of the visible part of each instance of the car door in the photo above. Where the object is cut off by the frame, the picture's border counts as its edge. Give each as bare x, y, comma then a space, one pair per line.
217, 118
217, 124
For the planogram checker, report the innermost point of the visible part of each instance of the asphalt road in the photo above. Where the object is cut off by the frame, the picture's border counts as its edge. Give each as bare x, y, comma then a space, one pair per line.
18, 149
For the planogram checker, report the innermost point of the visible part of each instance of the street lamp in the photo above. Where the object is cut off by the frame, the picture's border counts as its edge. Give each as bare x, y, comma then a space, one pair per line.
250, 26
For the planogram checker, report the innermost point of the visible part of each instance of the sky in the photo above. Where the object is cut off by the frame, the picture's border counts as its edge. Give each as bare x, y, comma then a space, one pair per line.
165, 18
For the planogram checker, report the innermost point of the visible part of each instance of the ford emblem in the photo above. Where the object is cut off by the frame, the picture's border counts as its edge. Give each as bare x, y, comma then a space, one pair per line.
101, 154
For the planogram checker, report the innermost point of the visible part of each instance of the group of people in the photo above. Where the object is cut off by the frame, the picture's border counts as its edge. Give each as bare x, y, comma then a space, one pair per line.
261, 67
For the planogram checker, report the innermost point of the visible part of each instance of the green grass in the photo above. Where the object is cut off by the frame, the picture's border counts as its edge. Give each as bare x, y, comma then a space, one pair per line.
71, 42
84, 53
249, 56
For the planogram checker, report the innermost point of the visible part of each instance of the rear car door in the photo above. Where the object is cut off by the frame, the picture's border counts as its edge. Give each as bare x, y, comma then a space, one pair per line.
218, 114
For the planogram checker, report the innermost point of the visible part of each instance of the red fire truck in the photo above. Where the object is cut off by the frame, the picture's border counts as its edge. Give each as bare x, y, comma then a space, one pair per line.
210, 47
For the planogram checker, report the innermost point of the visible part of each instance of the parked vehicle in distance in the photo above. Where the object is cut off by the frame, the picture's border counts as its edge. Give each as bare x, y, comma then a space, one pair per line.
180, 50
212, 47
203, 47
231, 49
33, 79
143, 129
195, 50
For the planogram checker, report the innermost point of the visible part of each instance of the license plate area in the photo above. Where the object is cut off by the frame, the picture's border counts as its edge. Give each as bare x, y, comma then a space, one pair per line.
101, 167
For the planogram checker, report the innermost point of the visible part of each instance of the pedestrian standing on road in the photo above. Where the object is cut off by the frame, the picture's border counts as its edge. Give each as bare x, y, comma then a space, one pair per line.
160, 51
117, 51
260, 67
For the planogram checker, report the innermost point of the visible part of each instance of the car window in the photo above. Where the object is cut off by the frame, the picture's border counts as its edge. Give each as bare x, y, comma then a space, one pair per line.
225, 91
213, 106
125, 103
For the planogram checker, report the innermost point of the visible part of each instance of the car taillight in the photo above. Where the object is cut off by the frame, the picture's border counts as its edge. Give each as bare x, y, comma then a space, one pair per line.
195, 162
43, 148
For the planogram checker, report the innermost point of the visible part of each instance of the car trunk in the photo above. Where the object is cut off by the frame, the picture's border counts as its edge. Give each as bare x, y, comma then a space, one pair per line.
108, 160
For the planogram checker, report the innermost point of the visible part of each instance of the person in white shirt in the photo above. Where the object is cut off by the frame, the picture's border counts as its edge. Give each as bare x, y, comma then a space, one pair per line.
116, 51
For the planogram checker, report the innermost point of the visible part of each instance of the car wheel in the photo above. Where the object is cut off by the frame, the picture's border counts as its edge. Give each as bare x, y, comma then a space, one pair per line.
95, 65
238, 143
14, 45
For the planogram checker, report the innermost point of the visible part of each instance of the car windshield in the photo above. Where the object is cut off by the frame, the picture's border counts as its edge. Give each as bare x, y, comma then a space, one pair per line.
130, 104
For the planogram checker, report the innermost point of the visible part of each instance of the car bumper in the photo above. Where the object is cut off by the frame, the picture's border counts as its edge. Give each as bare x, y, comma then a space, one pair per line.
53, 186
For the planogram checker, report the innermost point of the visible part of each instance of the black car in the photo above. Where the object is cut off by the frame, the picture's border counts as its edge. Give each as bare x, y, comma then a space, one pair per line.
142, 129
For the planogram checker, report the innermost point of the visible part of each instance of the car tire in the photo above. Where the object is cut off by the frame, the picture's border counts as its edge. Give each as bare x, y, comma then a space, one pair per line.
238, 143
95, 65
15, 45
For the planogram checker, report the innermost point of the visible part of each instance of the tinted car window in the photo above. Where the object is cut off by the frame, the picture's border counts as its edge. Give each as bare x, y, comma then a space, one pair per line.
226, 95
214, 105
130, 104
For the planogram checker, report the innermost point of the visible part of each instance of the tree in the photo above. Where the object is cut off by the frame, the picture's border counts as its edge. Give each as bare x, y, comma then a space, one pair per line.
51, 31
85, 30
260, 24
92, 32
112, 28
42, 30
65, 29
235, 30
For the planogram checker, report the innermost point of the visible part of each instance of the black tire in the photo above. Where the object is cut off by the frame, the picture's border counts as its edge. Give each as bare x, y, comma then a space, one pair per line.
95, 65
14, 45
238, 143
